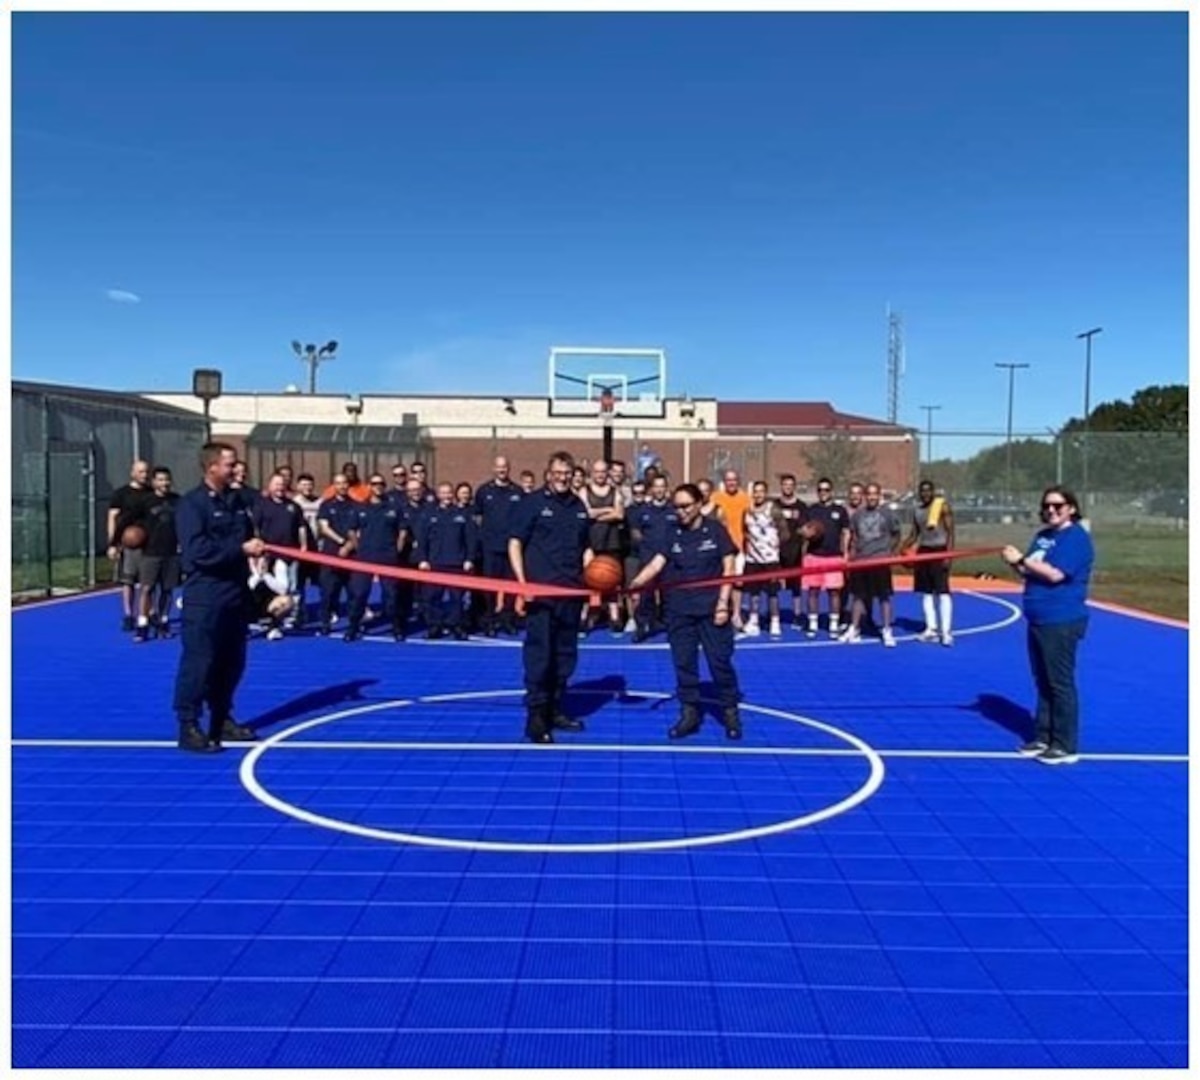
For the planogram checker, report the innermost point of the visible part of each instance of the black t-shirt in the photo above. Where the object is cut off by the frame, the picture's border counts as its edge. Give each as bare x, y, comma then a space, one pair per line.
159, 520
130, 503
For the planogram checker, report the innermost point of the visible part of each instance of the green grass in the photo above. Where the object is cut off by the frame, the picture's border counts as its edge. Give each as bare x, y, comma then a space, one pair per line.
1137, 564
1140, 565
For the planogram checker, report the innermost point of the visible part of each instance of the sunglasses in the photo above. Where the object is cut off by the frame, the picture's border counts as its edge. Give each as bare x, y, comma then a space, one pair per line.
824, 489
684, 506
1053, 505
378, 483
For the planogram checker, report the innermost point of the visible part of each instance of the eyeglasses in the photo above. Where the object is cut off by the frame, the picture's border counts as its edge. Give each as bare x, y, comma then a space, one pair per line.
1053, 505
823, 488
399, 475
685, 506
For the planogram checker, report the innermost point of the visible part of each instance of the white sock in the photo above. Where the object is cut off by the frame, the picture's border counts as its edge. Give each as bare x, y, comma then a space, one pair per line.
812, 622
833, 624
946, 603
930, 614
142, 620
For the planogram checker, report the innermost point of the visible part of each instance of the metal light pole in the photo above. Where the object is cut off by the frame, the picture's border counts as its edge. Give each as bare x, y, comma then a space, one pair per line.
1087, 336
1012, 371
929, 411
314, 358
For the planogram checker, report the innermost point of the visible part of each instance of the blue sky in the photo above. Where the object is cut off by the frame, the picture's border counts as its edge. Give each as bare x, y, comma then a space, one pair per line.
449, 195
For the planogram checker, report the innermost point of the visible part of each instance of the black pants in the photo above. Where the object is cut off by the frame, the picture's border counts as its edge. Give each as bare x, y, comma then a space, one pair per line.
332, 583
360, 591
212, 660
496, 565
1052, 652
687, 635
551, 649
442, 606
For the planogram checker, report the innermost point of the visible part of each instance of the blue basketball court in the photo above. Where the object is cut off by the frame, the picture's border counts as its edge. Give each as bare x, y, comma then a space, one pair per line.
392, 877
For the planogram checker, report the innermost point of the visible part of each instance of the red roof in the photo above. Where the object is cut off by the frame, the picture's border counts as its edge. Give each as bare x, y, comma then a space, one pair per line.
808, 414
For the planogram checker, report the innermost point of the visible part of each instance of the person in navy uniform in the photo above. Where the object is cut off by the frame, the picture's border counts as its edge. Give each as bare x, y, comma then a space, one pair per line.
413, 508
496, 502
378, 531
446, 541
696, 548
549, 545
649, 520
216, 542
336, 521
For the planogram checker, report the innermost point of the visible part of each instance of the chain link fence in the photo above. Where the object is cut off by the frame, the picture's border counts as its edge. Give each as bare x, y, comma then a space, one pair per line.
71, 448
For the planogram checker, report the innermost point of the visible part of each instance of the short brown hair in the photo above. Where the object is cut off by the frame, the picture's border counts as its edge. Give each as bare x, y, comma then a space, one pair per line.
210, 453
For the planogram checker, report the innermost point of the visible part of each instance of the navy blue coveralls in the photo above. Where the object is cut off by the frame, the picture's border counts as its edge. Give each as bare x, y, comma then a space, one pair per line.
447, 538
406, 591
212, 526
693, 555
378, 526
342, 515
496, 504
554, 531
649, 521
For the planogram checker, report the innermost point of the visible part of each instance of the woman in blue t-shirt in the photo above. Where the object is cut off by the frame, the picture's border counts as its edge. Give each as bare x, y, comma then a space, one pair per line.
1056, 569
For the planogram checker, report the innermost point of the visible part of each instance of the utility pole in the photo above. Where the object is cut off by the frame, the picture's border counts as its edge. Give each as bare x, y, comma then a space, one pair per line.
1087, 336
929, 411
1012, 371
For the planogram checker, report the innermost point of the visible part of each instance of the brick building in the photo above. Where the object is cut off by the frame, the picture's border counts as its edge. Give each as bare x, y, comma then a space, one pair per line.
458, 436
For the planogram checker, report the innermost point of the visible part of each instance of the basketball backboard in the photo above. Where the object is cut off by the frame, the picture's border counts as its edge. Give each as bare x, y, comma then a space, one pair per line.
580, 375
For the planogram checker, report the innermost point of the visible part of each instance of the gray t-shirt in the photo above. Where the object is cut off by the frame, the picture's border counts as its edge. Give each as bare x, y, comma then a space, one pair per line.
874, 532
927, 537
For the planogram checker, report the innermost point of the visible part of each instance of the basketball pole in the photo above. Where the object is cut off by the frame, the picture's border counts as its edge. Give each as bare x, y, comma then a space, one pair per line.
606, 419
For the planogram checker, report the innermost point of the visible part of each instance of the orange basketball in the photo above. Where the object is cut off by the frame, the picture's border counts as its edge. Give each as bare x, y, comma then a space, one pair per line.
604, 574
134, 536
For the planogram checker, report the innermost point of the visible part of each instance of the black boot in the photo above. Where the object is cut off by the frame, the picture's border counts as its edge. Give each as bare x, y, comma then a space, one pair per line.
689, 723
732, 721
193, 739
229, 730
537, 724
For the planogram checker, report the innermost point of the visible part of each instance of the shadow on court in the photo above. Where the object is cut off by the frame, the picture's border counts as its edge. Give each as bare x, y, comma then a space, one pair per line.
1005, 713
312, 702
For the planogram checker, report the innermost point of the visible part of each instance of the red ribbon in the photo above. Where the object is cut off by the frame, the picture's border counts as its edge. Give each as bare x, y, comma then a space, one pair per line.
531, 589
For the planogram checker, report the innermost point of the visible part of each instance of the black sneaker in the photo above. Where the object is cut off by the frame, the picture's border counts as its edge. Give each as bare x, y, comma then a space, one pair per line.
164, 630
732, 721
141, 634
537, 726
127, 624
1033, 748
353, 634
1056, 755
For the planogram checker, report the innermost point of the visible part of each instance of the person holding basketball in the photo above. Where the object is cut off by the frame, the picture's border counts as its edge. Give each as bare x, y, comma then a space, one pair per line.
696, 548
550, 543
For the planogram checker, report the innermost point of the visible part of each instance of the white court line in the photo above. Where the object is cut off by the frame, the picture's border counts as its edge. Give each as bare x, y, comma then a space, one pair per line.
1013, 615
868, 788
648, 748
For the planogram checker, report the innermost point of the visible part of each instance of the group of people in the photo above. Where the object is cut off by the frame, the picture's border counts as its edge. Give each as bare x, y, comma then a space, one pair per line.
223, 533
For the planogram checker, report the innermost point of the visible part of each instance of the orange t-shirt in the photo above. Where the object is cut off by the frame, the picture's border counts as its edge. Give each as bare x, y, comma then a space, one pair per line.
734, 507
360, 492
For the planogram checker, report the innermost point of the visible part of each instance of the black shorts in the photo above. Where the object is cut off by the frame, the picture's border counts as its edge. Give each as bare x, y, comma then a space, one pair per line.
931, 577
758, 588
791, 552
872, 584
161, 570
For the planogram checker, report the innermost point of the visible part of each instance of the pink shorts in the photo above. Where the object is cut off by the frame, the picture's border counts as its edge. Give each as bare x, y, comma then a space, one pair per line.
830, 575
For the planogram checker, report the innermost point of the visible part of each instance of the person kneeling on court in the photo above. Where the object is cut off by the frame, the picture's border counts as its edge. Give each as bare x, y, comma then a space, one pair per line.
696, 548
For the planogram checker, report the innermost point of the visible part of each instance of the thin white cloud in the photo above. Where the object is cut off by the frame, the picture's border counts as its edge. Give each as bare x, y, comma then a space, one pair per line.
122, 296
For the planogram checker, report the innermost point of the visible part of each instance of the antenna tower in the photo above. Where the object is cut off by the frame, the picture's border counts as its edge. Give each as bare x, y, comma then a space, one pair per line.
895, 363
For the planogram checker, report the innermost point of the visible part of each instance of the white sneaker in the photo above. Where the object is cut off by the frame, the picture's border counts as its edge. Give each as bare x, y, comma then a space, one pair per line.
850, 636
888, 640
835, 631
751, 629
776, 629
928, 634
274, 634
948, 640
631, 626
